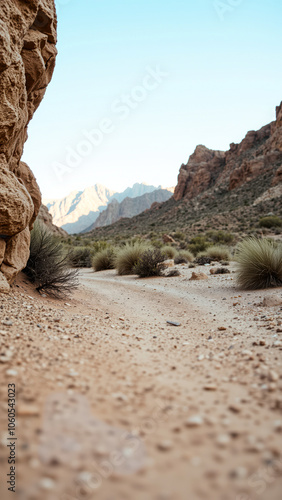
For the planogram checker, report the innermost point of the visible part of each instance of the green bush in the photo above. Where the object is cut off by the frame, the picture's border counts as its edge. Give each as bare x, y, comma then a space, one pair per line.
218, 253
81, 257
48, 266
270, 221
128, 257
259, 264
178, 235
103, 260
198, 244
183, 257
170, 252
220, 237
151, 263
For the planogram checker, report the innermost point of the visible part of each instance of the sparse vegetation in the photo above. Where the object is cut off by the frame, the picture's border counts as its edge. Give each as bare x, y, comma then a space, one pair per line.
151, 263
218, 253
198, 244
81, 257
259, 264
103, 260
183, 257
128, 257
270, 221
48, 266
170, 252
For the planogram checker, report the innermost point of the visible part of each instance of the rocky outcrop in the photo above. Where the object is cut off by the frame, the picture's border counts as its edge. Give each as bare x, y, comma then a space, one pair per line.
258, 154
129, 207
46, 218
27, 61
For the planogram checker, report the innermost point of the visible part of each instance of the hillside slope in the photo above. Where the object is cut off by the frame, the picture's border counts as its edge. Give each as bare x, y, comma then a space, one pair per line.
229, 189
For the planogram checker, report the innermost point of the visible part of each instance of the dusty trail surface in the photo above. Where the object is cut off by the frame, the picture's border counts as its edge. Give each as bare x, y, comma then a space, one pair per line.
114, 403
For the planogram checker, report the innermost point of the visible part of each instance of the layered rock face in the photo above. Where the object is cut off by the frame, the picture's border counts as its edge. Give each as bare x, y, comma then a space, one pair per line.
258, 154
27, 61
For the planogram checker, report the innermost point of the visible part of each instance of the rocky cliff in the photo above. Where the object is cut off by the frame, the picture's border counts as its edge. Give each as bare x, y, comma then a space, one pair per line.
259, 154
46, 218
129, 207
218, 190
27, 61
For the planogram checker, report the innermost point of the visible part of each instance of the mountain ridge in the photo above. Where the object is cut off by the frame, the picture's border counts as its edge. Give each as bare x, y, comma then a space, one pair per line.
80, 209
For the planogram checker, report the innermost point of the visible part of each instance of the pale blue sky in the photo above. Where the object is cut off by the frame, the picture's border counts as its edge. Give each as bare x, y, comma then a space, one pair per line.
222, 60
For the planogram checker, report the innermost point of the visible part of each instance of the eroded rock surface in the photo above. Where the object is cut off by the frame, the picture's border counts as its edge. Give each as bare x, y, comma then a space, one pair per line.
27, 61
258, 154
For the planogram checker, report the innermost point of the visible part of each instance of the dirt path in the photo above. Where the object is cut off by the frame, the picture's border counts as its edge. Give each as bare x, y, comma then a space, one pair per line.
114, 403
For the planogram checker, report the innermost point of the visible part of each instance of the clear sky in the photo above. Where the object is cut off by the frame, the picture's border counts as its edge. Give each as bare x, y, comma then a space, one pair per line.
139, 83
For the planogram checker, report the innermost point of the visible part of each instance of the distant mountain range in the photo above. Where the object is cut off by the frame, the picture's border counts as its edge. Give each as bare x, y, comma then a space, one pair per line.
129, 207
80, 210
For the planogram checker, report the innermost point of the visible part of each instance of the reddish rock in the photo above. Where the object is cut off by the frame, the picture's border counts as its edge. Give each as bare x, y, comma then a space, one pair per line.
259, 152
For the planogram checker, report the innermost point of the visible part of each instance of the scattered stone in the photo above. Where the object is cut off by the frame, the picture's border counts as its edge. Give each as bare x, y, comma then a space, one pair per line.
273, 376
173, 323
46, 483
234, 408
210, 387
223, 440
195, 421
272, 301
7, 323
219, 270
120, 397
165, 446
222, 328
198, 276
28, 411
12, 373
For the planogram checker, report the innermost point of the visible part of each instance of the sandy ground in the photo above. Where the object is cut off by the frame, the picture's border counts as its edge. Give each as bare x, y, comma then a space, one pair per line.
114, 403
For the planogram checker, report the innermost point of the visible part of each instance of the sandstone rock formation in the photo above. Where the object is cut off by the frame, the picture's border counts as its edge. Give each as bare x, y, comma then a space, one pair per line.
46, 218
258, 154
27, 61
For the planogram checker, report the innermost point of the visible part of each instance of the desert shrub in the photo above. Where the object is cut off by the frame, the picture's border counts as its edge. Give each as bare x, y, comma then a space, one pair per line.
221, 270
178, 235
128, 257
201, 260
259, 264
48, 266
270, 221
183, 257
198, 244
103, 260
156, 243
218, 253
81, 257
170, 252
151, 263
100, 245
221, 237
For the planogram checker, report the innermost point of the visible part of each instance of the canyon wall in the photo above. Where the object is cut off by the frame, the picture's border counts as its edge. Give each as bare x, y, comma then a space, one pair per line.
258, 154
27, 60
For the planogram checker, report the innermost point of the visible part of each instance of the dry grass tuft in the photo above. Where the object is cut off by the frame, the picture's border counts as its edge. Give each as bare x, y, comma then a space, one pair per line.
259, 264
